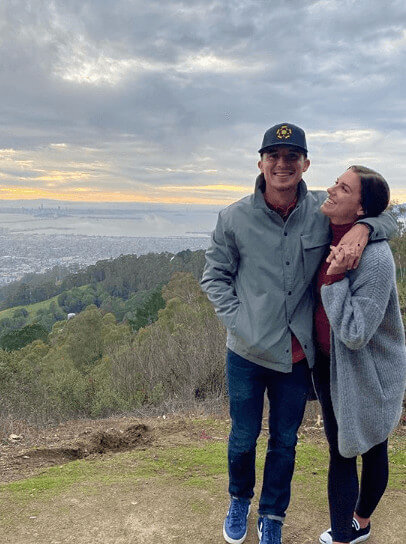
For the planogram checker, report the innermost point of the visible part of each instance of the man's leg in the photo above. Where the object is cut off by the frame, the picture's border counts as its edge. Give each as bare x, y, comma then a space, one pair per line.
287, 401
246, 387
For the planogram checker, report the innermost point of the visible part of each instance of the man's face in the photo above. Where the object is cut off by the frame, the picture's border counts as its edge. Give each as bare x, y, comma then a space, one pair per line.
283, 167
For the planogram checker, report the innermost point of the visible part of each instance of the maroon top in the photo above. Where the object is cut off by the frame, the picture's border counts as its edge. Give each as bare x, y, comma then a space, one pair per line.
321, 323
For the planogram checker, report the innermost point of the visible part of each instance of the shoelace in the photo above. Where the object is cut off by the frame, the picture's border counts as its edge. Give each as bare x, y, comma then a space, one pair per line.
237, 513
272, 530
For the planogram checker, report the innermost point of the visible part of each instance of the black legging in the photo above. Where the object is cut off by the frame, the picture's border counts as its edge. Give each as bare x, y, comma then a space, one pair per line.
344, 493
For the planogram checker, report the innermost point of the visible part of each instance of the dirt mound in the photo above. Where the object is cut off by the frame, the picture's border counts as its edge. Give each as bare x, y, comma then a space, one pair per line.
131, 437
98, 442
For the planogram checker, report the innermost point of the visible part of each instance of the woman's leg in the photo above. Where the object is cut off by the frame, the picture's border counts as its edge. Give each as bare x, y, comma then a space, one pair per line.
342, 476
374, 479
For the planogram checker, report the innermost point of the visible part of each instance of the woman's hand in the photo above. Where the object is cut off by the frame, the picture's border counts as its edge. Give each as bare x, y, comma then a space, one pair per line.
354, 241
341, 259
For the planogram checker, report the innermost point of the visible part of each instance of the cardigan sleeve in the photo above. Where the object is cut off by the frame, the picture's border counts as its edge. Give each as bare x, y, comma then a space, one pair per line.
356, 305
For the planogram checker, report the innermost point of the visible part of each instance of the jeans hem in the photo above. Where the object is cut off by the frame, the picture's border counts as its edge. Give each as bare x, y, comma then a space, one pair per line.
244, 499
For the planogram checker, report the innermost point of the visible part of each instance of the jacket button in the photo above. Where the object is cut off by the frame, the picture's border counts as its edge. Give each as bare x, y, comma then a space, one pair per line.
287, 351
288, 263
305, 346
289, 292
285, 233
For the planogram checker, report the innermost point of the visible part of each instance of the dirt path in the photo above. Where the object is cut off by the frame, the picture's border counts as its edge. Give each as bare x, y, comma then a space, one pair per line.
156, 481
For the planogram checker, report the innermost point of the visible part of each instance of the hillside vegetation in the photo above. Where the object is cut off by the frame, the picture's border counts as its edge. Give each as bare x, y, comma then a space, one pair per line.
122, 286
144, 336
93, 366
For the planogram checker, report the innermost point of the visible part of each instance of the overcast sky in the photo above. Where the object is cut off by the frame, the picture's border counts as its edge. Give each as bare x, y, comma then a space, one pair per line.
167, 101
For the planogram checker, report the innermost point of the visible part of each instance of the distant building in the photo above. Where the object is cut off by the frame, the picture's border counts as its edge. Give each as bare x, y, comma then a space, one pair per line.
71, 315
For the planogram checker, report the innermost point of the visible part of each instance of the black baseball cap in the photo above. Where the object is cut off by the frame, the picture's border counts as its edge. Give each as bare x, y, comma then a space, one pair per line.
284, 134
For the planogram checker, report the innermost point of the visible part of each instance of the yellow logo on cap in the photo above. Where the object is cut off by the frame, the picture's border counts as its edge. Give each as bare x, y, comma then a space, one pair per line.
284, 132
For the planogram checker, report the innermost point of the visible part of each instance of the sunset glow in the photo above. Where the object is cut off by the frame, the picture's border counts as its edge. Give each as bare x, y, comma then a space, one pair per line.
205, 195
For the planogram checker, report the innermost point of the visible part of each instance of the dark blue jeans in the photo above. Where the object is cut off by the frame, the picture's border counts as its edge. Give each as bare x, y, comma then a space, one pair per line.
287, 394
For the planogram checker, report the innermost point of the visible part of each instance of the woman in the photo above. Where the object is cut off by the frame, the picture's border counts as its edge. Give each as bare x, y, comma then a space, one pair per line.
360, 371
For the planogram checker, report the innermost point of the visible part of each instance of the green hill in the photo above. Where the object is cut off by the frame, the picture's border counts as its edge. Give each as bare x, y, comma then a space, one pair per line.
32, 309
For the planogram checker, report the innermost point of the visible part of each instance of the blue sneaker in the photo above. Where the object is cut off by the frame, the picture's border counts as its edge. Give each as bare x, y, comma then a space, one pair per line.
269, 530
235, 524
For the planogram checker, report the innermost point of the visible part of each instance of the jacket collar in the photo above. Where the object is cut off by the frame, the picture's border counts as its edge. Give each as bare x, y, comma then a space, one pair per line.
259, 201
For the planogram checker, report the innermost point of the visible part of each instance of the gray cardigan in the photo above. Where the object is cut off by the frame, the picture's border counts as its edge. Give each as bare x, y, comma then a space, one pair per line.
368, 355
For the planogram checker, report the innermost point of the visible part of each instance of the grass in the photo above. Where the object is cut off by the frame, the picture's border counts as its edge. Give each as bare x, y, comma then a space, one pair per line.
31, 308
397, 461
52, 482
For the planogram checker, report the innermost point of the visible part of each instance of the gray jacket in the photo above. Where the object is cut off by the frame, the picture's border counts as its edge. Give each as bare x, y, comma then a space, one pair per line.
368, 355
259, 271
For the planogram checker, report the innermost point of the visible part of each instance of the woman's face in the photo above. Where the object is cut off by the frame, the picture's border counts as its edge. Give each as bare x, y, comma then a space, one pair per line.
343, 204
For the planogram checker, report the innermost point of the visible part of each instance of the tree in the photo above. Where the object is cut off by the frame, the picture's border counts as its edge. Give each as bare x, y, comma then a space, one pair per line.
84, 339
148, 312
181, 355
18, 339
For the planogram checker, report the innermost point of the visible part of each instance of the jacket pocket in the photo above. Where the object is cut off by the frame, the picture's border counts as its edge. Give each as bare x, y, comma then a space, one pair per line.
248, 330
237, 321
314, 249
244, 329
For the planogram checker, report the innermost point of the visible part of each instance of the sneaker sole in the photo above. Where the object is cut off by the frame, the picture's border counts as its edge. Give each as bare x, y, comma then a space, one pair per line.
356, 541
232, 540
361, 539
322, 541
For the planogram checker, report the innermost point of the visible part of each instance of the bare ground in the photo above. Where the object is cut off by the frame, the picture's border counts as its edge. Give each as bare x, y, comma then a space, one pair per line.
35, 449
152, 511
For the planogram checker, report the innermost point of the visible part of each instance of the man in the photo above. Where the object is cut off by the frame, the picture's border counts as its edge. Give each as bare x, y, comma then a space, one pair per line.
265, 250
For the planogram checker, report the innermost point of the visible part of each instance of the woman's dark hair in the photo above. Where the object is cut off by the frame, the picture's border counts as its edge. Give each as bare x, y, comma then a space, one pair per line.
375, 192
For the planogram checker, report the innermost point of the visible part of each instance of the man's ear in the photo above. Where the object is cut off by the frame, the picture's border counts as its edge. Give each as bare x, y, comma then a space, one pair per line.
260, 166
306, 164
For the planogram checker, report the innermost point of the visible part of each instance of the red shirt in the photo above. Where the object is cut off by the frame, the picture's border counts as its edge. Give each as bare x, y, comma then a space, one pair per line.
321, 323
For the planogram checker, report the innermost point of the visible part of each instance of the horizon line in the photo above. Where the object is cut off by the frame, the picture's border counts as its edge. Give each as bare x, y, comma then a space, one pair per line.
397, 197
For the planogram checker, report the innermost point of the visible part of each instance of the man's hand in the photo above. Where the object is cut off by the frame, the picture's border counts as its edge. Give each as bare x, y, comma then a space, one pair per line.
350, 248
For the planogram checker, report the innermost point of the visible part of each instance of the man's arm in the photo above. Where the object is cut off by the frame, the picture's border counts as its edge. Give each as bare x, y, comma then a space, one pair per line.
217, 281
382, 227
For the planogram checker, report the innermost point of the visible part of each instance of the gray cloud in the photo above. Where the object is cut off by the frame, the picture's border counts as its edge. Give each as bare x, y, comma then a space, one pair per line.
180, 93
